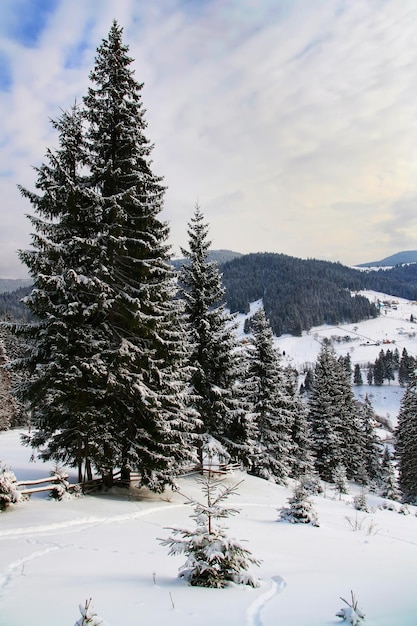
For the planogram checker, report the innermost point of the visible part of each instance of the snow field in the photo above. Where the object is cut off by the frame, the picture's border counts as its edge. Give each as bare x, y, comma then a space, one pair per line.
55, 555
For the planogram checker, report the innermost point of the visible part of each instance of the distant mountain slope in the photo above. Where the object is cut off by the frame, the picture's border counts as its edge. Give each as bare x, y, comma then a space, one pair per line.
299, 294
407, 256
12, 307
11, 284
220, 256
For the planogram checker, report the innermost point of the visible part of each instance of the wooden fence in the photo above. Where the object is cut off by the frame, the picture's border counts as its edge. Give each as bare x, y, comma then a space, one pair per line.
29, 487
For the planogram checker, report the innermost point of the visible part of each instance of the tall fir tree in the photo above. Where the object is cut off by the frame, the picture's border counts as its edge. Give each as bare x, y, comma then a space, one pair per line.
406, 442
406, 368
371, 443
147, 352
389, 480
379, 369
302, 458
333, 419
389, 366
63, 363
215, 356
8, 405
136, 391
270, 404
357, 375
324, 417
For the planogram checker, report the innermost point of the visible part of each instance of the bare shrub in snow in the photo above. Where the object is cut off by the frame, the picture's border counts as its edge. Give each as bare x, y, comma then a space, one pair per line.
88, 616
358, 524
404, 510
388, 505
352, 614
213, 558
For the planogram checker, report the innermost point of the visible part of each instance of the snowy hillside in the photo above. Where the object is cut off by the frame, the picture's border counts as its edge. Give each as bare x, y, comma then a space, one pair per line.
393, 329
56, 555
363, 341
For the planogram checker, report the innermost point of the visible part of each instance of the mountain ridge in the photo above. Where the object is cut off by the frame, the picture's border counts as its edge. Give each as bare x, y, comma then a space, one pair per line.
405, 256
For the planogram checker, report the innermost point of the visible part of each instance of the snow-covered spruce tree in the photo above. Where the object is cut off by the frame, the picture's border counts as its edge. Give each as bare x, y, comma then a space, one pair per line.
269, 404
406, 368
406, 442
63, 371
146, 390
300, 510
102, 274
9, 493
336, 434
8, 408
371, 444
324, 416
302, 459
350, 429
214, 357
213, 558
357, 375
389, 481
12, 412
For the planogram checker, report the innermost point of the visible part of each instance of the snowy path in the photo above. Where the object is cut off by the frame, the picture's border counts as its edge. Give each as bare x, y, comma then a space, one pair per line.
253, 613
17, 568
86, 522
83, 522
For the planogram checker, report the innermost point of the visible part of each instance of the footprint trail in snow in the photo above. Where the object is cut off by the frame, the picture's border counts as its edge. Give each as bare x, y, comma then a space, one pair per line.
253, 613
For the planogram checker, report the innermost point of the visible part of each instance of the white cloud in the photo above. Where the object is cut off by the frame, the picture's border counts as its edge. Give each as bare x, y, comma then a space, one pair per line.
293, 124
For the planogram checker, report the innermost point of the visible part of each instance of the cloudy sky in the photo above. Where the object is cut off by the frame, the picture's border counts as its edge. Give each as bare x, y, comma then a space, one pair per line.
293, 123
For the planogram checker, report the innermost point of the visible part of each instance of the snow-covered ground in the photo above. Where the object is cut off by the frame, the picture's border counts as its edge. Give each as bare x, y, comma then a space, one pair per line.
56, 555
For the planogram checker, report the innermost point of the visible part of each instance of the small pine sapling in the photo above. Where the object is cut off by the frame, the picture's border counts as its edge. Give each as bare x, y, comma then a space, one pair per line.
213, 558
340, 481
9, 493
352, 614
301, 510
88, 617
214, 454
312, 484
360, 502
62, 489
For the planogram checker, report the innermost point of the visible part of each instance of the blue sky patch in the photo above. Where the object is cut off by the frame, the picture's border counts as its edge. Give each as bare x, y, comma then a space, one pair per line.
5, 73
75, 55
30, 18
